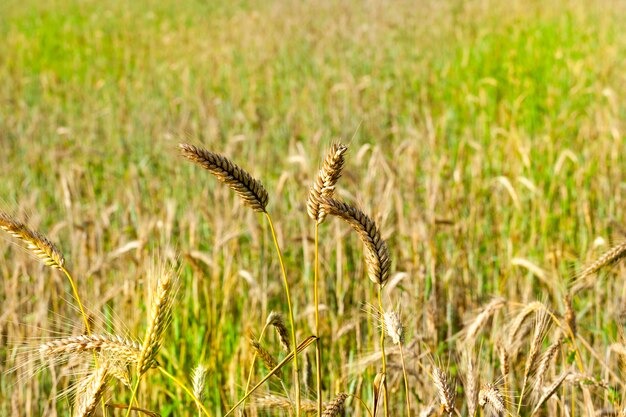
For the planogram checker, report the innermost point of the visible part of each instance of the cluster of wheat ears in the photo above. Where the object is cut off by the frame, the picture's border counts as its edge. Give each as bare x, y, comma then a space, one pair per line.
539, 331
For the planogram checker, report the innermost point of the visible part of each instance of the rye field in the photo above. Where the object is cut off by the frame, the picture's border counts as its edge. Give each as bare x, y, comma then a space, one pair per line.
425, 200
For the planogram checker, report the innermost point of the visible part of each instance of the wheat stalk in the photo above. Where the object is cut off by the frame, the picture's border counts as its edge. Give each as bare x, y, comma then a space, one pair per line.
275, 320
160, 317
377, 253
247, 187
117, 347
545, 362
550, 391
570, 315
473, 381
335, 407
90, 391
518, 322
324, 185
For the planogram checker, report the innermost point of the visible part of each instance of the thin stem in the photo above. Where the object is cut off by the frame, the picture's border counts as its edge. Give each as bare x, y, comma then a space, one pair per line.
369, 412
291, 317
406, 382
318, 347
251, 371
184, 388
382, 349
132, 396
77, 298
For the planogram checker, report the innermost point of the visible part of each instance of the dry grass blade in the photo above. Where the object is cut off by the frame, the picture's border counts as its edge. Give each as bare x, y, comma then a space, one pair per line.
379, 383
90, 391
481, 319
377, 253
491, 400
324, 185
550, 391
610, 257
335, 407
276, 320
160, 317
38, 244
118, 348
266, 357
245, 185
444, 391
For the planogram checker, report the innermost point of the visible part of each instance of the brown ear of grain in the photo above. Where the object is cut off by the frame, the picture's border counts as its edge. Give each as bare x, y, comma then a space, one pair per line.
35, 242
266, 357
90, 391
116, 347
609, 257
245, 185
160, 317
324, 185
336, 406
491, 400
377, 253
276, 320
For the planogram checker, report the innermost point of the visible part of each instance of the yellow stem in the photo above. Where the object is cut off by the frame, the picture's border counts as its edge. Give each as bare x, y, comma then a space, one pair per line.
291, 316
132, 396
382, 349
252, 365
77, 298
318, 347
406, 382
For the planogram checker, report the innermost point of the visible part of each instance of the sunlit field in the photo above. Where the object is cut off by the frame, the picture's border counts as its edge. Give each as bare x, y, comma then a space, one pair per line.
485, 143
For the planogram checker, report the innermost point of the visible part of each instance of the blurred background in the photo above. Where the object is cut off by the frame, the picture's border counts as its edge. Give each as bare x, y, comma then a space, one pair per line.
486, 140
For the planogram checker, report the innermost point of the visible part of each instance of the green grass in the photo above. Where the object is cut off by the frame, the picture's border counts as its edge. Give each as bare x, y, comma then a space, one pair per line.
449, 96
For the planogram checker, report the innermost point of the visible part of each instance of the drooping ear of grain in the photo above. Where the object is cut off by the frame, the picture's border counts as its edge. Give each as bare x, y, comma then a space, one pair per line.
550, 391
545, 361
245, 185
266, 357
36, 243
115, 347
336, 406
376, 253
491, 400
276, 320
159, 319
570, 315
609, 257
90, 391
539, 332
324, 185
275, 402
444, 391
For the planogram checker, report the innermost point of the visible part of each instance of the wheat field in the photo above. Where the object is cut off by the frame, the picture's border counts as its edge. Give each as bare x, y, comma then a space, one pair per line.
475, 219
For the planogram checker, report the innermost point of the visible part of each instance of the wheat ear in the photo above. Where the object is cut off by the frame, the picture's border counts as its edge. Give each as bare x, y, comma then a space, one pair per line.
266, 357
276, 320
444, 391
550, 391
609, 257
473, 381
90, 391
117, 347
247, 187
283, 403
545, 362
335, 407
324, 185
160, 317
38, 244
377, 253
198, 377
491, 400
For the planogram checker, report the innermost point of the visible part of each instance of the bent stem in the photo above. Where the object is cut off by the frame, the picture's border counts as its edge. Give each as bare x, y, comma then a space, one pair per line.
132, 396
291, 317
184, 388
382, 348
318, 347
77, 298
406, 382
